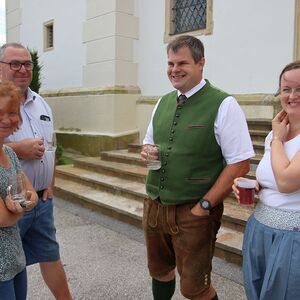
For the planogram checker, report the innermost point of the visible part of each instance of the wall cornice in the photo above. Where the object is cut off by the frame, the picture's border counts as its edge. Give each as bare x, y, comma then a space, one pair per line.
92, 91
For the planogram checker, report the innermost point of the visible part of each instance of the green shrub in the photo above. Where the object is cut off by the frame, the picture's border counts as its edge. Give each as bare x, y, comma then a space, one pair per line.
36, 72
58, 154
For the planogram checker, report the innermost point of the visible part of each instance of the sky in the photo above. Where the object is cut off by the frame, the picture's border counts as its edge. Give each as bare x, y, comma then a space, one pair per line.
2, 22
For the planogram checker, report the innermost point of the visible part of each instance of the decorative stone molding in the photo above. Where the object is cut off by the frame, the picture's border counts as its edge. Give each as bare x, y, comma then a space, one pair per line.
92, 91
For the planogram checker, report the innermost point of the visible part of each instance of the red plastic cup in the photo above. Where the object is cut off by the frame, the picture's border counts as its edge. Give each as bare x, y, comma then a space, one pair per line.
246, 189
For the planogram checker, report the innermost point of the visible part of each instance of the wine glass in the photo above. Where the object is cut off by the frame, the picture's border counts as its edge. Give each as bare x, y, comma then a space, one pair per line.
17, 188
50, 145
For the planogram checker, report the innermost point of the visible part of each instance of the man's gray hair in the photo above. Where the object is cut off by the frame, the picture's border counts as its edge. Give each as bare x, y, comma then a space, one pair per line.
13, 45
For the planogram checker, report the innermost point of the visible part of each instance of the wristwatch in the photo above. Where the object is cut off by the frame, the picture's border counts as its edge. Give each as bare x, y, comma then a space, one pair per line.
205, 204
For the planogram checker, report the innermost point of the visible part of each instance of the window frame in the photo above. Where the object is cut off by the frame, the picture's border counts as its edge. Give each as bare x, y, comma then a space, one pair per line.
47, 26
168, 22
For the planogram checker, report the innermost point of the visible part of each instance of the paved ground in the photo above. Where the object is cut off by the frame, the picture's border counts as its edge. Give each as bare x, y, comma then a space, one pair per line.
105, 260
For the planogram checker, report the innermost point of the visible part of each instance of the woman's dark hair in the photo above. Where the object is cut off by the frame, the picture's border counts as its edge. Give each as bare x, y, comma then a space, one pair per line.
289, 67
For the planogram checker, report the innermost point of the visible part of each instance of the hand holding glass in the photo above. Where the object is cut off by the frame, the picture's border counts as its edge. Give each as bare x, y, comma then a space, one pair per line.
17, 189
246, 189
50, 145
153, 157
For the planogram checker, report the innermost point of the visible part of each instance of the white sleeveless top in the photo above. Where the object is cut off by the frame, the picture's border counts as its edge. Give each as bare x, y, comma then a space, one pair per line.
269, 194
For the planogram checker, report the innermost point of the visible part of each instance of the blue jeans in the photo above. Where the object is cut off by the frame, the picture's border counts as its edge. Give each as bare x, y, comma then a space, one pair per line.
38, 234
14, 289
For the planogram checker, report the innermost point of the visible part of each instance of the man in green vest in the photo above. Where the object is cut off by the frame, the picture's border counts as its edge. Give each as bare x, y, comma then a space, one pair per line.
204, 144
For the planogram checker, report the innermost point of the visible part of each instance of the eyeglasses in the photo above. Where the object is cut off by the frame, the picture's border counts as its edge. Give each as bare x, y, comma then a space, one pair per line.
16, 65
290, 91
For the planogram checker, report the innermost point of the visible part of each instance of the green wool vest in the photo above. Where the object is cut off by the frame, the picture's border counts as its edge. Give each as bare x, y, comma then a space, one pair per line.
191, 157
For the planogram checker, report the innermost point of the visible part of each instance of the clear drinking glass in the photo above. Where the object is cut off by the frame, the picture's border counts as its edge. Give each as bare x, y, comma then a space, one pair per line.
153, 157
17, 189
50, 145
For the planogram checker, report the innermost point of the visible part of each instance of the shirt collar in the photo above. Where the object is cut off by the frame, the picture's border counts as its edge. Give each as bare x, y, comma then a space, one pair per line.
30, 96
194, 90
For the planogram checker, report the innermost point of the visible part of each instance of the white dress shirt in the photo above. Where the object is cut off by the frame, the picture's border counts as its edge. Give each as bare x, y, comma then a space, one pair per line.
37, 123
231, 129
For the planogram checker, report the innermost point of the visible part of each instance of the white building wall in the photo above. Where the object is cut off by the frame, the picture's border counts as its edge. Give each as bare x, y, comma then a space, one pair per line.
251, 42
62, 66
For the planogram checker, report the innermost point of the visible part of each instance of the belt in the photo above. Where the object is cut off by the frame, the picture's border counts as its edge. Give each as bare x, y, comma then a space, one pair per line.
277, 218
40, 193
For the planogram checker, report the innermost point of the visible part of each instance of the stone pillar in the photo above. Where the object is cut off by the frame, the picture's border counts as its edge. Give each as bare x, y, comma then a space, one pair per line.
109, 32
102, 114
13, 20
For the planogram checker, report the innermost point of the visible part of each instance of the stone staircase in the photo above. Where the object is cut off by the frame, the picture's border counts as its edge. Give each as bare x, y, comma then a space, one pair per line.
113, 184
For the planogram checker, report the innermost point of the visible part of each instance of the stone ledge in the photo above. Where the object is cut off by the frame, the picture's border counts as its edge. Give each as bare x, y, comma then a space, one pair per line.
93, 144
118, 89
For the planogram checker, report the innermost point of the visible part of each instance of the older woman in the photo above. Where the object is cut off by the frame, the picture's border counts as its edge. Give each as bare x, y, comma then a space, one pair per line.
13, 279
272, 238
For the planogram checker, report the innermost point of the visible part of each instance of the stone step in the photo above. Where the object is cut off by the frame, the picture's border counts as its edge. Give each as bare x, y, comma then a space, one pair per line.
114, 205
229, 245
258, 135
234, 215
229, 240
259, 147
125, 157
134, 148
259, 124
255, 160
122, 156
118, 186
119, 169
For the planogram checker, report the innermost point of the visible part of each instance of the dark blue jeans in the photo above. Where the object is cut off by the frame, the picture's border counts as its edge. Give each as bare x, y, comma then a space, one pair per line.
14, 289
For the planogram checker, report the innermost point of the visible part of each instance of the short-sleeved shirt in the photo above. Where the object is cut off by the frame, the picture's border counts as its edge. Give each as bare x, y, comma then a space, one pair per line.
269, 194
12, 258
37, 123
230, 126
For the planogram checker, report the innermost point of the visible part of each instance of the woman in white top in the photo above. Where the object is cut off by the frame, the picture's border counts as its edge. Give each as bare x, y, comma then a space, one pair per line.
271, 249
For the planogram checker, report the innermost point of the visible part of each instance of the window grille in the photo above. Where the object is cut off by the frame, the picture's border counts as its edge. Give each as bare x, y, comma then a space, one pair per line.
50, 36
188, 15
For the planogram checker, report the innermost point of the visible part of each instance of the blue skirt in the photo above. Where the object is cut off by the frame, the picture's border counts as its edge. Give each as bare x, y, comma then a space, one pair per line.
271, 262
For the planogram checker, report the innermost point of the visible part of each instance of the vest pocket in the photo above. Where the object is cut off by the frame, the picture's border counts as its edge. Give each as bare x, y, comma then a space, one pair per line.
196, 126
197, 180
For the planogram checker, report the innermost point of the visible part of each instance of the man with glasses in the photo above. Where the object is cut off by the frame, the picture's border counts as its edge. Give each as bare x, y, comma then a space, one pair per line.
37, 226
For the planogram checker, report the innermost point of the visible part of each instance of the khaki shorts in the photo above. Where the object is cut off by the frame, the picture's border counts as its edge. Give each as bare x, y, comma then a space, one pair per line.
177, 238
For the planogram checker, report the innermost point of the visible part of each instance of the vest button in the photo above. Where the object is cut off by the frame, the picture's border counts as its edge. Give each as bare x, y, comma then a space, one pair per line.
167, 154
173, 131
165, 163
163, 170
170, 139
169, 148
161, 187
177, 116
162, 179
175, 123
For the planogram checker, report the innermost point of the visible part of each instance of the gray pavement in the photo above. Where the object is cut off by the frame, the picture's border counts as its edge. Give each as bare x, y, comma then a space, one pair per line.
106, 259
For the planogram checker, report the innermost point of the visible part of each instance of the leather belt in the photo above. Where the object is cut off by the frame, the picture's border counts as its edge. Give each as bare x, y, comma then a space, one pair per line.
40, 193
